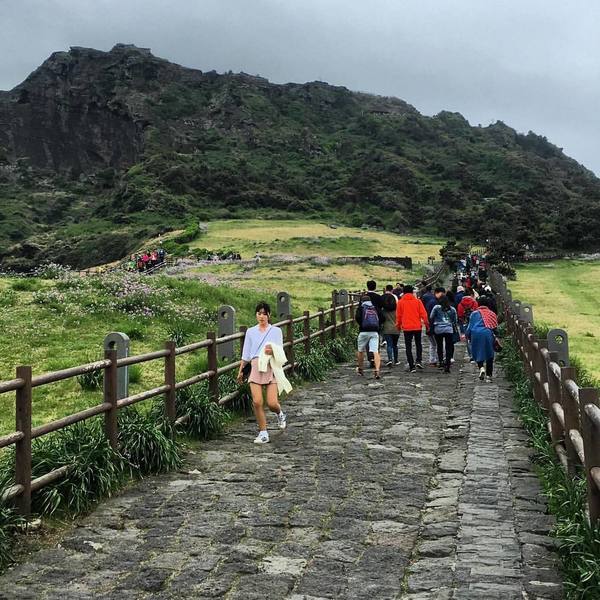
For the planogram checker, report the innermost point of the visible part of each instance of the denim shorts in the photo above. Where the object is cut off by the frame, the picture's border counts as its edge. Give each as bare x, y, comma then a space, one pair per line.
368, 341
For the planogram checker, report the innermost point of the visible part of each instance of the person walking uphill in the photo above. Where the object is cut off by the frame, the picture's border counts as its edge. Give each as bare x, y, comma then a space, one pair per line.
263, 350
389, 329
369, 318
444, 324
429, 300
410, 318
481, 333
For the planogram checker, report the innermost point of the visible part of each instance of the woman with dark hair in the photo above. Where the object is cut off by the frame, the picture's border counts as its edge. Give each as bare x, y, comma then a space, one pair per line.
481, 332
263, 337
389, 330
444, 321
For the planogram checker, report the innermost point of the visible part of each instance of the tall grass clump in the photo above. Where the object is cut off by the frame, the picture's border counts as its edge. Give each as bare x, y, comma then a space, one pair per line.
148, 444
578, 542
207, 419
315, 364
95, 469
10, 522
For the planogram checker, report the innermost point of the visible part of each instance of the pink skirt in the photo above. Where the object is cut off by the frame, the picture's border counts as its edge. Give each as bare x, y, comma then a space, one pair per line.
259, 377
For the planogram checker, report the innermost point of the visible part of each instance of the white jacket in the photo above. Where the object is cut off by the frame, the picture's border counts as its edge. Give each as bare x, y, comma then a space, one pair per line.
277, 360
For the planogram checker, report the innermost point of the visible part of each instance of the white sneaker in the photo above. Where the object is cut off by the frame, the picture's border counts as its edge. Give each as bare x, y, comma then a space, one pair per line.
488, 379
262, 438
282, 420
481, 373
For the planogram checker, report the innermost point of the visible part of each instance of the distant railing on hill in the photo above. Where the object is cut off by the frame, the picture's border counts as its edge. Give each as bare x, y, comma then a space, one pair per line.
330, 322
573, 412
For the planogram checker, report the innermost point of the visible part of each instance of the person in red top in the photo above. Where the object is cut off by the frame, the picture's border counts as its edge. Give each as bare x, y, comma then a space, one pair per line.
410, 318
466, 306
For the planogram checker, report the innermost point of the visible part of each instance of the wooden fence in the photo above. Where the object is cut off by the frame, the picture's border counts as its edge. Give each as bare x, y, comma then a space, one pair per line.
330, 322
573, 412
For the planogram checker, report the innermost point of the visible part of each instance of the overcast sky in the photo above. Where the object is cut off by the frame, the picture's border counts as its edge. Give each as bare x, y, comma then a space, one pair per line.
534, 64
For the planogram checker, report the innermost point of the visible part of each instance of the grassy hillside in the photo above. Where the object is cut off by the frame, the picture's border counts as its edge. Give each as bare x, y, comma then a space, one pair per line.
57, 323
304, 257
144, 145
566, 294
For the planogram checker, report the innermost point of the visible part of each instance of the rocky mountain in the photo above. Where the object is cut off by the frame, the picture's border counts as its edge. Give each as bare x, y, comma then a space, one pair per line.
99, 150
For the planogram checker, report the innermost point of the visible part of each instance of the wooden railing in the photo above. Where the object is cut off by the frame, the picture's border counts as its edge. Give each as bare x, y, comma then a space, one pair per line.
573, 412
330, 322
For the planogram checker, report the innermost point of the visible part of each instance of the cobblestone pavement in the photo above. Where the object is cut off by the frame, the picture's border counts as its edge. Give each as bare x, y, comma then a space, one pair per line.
416, 487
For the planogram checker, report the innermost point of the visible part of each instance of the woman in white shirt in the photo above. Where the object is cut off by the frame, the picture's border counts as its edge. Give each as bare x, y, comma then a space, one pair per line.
258, 337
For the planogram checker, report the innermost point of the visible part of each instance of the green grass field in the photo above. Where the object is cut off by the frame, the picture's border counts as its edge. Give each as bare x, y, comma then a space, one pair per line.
58, 323
310, 238
566, 294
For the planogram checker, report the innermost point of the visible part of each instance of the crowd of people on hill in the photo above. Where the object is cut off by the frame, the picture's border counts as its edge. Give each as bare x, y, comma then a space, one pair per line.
147, 260
468, 312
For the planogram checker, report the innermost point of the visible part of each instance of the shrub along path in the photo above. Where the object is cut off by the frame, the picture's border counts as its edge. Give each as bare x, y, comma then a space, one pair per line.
418, 487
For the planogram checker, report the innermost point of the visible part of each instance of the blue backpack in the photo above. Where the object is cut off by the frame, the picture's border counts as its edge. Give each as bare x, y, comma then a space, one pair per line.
370, 318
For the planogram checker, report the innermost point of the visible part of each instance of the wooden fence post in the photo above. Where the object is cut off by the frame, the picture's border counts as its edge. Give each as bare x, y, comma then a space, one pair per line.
322, 325
111, 424
23, 446
543, 371
213, 365
170, 380
571, 418
591, 445
334, 321
243, 330
289, 338
554, 386
307, 331
343, 317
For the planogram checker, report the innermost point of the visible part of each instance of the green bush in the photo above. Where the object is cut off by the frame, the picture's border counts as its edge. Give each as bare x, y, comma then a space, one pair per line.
26, 285
189, 234
8, 298
578, 543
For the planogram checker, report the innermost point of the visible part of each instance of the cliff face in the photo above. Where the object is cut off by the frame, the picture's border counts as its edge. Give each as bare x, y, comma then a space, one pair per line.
80, 110
85, 109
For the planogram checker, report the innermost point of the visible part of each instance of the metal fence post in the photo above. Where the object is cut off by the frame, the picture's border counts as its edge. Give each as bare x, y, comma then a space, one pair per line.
307, 331
170, 380
591, 451
213, 365
23, 446
111, 425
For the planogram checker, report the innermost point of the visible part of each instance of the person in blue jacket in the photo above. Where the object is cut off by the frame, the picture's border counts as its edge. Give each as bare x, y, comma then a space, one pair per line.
481, 333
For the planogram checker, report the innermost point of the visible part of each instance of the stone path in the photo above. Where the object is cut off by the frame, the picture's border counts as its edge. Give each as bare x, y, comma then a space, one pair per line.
416, 488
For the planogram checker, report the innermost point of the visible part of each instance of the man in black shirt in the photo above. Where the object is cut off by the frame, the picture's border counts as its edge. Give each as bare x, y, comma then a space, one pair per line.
377, 301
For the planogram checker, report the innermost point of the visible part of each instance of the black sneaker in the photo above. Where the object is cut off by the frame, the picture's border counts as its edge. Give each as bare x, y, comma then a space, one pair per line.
419, 366
413, 370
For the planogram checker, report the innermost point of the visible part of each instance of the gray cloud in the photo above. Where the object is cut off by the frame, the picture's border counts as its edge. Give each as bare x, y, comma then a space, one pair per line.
533, 65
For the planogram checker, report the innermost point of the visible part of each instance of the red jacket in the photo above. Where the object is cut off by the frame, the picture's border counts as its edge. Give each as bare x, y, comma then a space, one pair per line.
468, 302
411, 314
